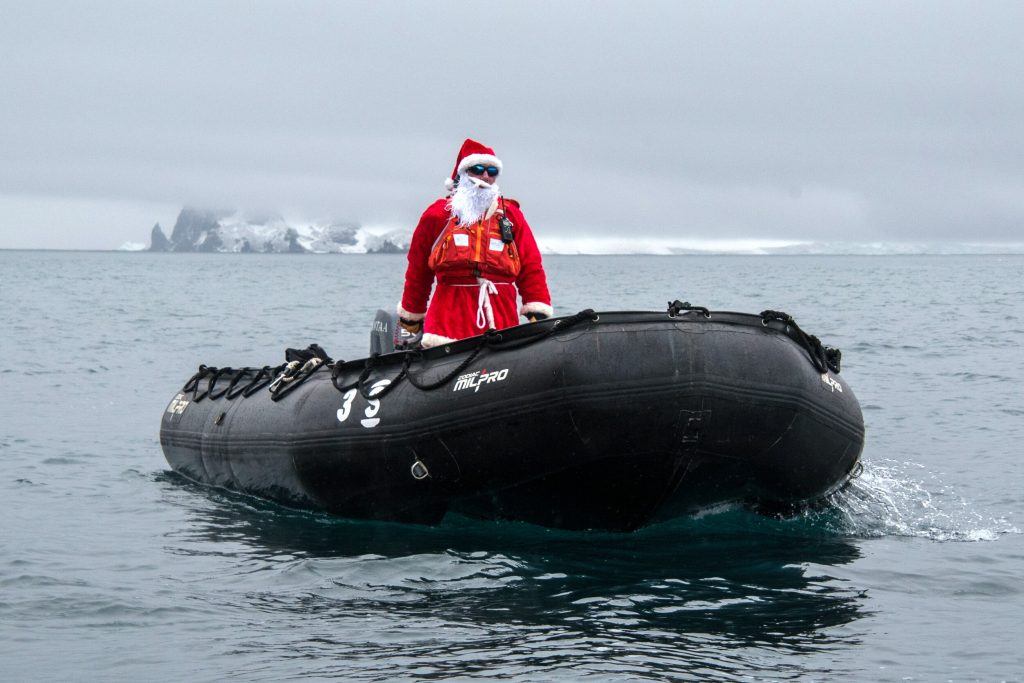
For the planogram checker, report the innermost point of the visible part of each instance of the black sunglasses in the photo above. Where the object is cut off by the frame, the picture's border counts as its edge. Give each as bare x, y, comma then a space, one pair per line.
480, 169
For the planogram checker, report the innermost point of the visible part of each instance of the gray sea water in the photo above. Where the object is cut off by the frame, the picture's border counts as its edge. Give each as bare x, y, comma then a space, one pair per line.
113, 568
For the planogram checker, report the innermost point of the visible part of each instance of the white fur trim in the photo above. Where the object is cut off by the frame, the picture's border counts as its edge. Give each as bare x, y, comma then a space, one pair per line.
429, 340
409, 315
537, 307
449, 184
474, 159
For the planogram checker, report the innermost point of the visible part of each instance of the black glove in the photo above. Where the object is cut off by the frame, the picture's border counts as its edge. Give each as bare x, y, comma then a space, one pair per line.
408, 334
411, 326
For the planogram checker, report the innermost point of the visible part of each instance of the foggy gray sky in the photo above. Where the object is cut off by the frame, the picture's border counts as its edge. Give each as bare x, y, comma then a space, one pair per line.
818, 121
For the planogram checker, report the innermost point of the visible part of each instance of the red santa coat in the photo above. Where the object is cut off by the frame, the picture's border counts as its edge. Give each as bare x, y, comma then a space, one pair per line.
456, 309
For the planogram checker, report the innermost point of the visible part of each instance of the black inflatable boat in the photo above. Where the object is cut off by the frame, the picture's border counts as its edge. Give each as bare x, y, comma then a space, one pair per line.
592, 421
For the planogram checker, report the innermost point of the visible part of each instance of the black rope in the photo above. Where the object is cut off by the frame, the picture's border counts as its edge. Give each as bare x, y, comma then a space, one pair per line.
212, 375
285, 378
234, 391
213, 396
823, 358
361, 381
430, 386
561, 325
193, 383
386, 389
335, 374
230, 391
368, 365
264, 377
834, 358
493, 339
676, 307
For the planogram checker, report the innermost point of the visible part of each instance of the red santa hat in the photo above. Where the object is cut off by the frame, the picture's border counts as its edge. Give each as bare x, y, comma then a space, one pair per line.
471, 154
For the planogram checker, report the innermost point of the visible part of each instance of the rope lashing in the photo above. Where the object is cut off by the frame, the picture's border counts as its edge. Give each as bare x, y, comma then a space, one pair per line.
492, 339
285, 378
824, 358
361, 382
261, 377
489, 337
676, 307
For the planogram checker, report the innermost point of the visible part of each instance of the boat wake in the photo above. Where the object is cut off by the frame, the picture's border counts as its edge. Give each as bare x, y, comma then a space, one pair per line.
893, 498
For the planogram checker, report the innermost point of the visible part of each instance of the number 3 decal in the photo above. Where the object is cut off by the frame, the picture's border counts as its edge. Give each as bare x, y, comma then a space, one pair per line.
346, 406
372, 406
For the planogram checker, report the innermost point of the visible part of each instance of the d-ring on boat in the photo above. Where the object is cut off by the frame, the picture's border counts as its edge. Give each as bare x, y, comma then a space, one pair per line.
610, 420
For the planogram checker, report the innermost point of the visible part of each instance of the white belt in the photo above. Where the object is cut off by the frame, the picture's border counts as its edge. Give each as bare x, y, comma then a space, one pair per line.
484, 312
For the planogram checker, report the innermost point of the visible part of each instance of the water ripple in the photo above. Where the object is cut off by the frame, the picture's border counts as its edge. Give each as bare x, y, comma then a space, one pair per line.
112, 567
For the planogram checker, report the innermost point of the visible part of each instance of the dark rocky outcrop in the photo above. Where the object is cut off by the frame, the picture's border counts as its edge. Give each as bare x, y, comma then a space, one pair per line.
343, 233
196, 230
387, 247
158, 240
292, 237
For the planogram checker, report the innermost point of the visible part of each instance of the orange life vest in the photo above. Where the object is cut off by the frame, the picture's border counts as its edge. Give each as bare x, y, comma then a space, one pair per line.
475, 250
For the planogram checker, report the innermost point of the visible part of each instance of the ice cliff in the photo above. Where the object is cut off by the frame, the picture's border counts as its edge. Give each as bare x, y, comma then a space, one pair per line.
198, 230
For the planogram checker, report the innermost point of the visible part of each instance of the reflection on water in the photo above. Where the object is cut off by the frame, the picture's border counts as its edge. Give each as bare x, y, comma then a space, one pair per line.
479, 596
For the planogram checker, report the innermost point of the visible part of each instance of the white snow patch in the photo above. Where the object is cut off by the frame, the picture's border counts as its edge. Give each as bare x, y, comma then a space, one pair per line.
558, 244
553, 243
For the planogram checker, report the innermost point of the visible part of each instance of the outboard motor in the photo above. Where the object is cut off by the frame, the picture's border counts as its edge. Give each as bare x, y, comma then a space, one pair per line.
387, 336
382, 334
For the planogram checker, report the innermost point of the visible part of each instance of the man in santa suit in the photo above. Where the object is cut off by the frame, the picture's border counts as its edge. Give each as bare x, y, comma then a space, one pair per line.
478, 247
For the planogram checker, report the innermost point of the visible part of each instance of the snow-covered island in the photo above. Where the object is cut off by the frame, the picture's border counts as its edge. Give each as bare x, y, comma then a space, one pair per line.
237, 232
197, 230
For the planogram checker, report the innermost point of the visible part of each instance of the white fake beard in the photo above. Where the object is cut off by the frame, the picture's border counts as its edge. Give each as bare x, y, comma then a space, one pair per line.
471, 200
